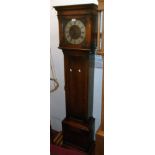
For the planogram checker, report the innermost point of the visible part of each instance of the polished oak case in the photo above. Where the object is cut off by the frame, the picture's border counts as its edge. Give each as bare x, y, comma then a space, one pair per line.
78, 33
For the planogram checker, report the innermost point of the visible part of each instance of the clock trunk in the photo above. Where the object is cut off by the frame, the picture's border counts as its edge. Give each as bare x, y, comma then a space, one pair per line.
79, 77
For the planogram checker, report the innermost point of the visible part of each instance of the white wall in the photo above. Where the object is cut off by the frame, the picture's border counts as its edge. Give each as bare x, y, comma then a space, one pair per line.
58, 97
64, 2
57, 110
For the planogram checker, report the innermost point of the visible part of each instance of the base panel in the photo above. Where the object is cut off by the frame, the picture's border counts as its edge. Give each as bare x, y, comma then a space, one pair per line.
78, 134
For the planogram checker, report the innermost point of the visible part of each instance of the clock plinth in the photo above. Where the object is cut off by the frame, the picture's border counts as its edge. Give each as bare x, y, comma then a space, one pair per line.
77, 133
77, 32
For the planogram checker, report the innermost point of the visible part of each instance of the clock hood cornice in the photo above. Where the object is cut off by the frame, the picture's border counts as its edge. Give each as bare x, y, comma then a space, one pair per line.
78, 9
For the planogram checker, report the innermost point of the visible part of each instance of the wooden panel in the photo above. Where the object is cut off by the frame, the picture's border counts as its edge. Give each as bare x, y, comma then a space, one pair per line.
101, 5
99, 150
77, 87
81, 131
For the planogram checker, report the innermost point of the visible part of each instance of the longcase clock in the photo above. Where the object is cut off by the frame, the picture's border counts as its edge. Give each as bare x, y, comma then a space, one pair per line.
77, 34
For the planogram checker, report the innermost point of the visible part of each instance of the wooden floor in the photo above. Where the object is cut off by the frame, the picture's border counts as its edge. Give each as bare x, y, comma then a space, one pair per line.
57, 139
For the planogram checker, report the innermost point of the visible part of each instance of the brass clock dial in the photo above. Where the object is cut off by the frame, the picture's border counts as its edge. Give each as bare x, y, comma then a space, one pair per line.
75, 31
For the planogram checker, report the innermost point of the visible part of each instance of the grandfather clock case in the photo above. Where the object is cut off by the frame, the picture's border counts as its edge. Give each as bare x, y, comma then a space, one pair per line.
78, 39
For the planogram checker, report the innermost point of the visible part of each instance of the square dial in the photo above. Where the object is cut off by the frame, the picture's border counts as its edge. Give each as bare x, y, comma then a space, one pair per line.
75, 31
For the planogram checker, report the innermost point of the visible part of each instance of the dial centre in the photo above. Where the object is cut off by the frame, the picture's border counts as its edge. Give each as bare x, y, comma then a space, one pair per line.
75, 32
